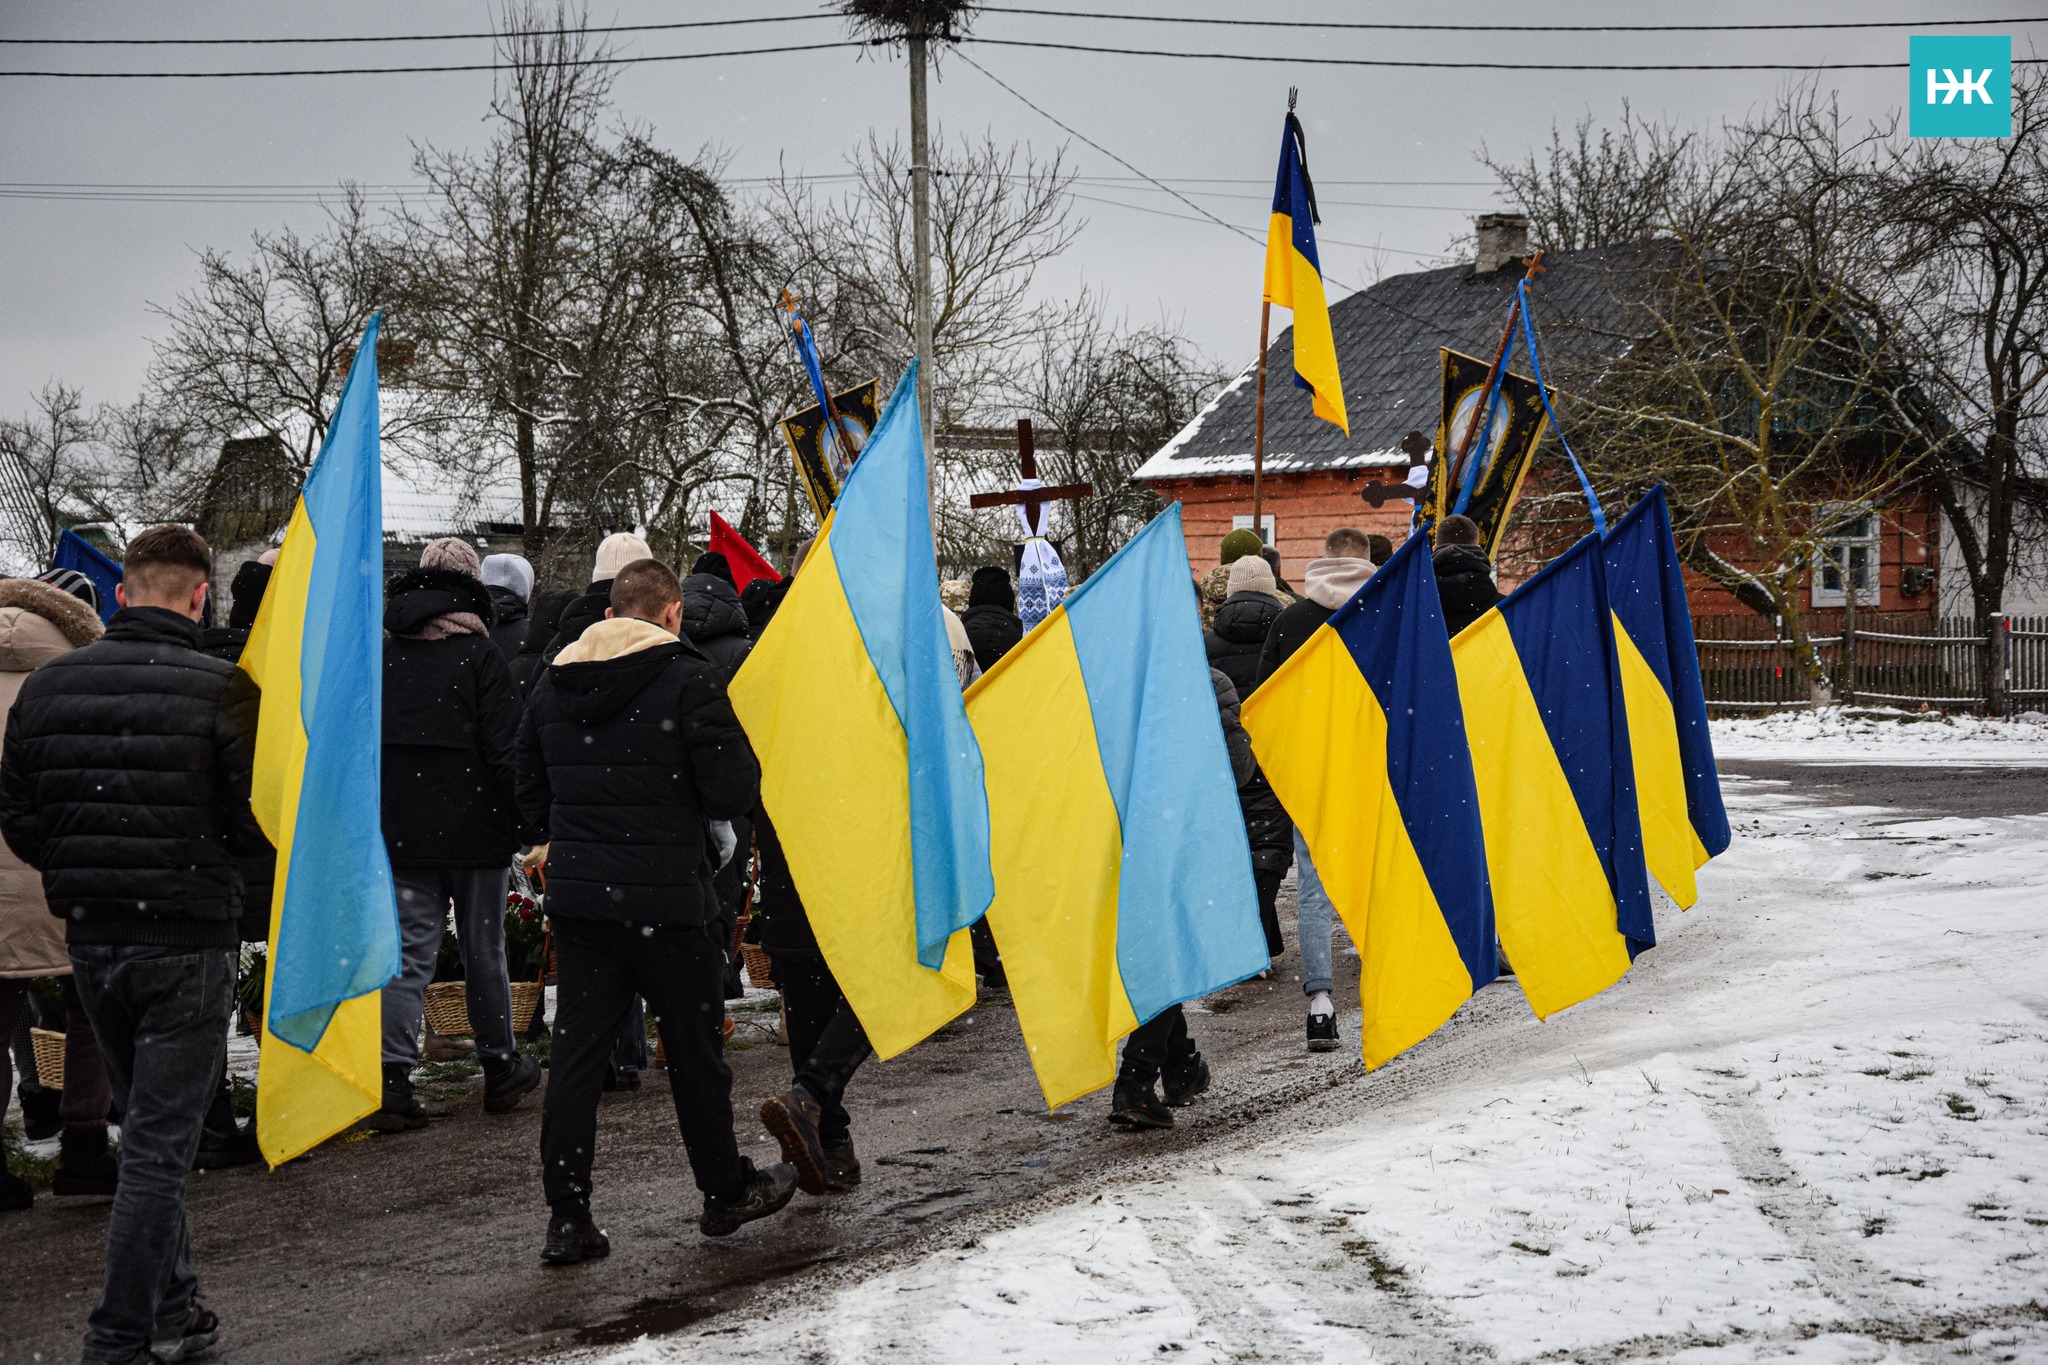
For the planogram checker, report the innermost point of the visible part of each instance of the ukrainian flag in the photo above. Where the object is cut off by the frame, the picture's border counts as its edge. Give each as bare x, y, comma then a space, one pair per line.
1540, 683
1361, 735
317, 653
1677, 789
868, 765
1294, 279
1123, 875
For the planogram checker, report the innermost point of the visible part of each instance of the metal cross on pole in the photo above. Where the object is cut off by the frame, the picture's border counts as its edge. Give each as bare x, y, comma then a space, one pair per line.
1030, 499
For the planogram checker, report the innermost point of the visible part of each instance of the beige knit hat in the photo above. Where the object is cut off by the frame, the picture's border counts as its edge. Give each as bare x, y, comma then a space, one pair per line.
1252, 574
615, 552
451, 552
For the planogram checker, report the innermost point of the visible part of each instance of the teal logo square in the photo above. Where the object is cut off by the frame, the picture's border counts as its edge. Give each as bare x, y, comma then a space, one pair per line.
1961, 87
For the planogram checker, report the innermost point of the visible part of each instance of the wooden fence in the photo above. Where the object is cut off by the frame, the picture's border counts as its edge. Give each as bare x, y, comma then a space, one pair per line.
1945, 663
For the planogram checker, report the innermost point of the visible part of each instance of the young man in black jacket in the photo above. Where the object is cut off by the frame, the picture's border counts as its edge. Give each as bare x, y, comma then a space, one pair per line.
451, 726
1464, 575
627, 753
125, 780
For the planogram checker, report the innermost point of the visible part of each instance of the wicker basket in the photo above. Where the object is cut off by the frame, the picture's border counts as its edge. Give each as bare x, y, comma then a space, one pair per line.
49, 1051
448, 1008
758, 965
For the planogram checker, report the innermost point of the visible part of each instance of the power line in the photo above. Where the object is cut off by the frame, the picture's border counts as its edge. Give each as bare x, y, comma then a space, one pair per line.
1459, 66
1511, 28
453, 66
1073, 132
1321, 240
407, 37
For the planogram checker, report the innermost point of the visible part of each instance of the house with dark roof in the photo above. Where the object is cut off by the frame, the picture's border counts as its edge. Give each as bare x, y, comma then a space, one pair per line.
1388, 338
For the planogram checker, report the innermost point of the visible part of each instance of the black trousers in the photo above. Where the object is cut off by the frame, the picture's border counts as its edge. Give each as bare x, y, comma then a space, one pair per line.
1268, 882
1152, 1045
599, 967
826, 1041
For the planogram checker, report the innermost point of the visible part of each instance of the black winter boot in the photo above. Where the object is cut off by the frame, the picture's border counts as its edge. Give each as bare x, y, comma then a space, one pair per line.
84, 1165
507, 1080
194, 1339
40, 1118
1183, 1079
765, 1193
1133, 1104
401, 1112
791, 1118
15, 1193
573, 1238
842, 1167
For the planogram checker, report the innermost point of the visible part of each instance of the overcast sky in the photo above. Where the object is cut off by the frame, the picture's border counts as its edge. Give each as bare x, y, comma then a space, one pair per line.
78, 276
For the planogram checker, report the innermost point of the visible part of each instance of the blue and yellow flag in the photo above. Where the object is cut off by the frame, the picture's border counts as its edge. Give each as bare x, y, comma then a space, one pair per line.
1541, 687
1123, 875
1677, 788
868, 765
317, 652
1362, 737
1294, 279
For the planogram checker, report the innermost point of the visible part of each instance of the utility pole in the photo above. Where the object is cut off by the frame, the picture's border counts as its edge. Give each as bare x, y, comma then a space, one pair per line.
921, 227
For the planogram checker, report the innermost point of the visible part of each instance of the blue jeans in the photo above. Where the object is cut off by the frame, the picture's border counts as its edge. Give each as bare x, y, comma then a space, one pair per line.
424, 895
161, 1018
1314, 918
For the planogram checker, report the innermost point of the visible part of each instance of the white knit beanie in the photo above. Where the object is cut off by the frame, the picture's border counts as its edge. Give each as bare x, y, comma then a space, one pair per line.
1251, 573
615, 552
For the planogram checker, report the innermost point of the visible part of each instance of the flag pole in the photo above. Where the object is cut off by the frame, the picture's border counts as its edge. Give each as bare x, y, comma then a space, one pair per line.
1500, 360
1259, 428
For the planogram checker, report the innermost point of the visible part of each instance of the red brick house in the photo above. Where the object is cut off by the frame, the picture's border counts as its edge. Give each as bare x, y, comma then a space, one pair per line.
1388, 338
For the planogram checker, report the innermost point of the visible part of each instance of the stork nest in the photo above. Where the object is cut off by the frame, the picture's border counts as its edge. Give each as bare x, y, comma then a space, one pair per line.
901, 18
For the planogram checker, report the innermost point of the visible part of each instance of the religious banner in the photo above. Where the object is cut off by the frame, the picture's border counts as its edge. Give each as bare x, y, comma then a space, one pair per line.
813, 447
1486, 493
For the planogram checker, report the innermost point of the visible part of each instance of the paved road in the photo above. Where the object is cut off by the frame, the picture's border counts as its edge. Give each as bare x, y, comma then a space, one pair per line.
425, 1244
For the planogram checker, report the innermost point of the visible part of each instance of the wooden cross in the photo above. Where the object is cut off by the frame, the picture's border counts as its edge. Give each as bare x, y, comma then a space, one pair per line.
1031, 499
1415, 445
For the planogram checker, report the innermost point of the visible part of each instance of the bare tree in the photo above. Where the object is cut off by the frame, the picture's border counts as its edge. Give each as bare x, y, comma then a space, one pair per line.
1751, 382
1968, 224
1608, 190
265, 343
51, 473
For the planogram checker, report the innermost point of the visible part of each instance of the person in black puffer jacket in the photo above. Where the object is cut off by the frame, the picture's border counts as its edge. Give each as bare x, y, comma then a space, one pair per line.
1239, 630
761, 599
1464, 575
545, 616
991, 616
125, 781
614, 552
509, 580
628, 752
715, 623
451, 727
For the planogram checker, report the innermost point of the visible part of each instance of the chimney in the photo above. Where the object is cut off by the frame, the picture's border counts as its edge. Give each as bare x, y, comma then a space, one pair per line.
1503, 241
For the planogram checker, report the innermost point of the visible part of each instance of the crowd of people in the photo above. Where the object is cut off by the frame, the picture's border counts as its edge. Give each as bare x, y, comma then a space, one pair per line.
585, 736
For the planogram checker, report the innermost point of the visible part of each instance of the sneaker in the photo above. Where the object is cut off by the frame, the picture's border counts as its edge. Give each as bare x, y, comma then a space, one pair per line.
401, 1111
1322, 1033
1183, 1080
791, 1118
765, 1193
574, 1239
201, 1330
15, 1193
507, 1080
218, 1154
842, 1167
84, 1165
1134, 1106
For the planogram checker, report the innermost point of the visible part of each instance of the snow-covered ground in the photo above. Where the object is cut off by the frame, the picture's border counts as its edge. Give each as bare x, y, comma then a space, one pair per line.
1869, 735
1811, 1126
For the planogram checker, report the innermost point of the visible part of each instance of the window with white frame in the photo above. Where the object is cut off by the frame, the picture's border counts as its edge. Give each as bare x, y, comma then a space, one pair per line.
1268, 529
1848, 558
